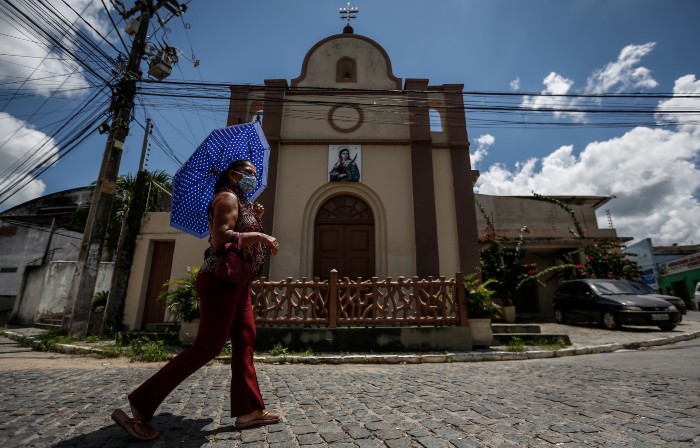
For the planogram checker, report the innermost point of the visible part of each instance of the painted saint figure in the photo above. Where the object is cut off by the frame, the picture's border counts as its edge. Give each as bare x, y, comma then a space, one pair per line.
345, 169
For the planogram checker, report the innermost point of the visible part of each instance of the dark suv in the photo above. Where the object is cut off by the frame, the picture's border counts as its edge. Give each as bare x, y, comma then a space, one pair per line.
613, 303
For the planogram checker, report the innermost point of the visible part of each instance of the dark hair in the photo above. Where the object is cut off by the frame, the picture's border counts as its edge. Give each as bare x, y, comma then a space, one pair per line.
222, 180
342, 150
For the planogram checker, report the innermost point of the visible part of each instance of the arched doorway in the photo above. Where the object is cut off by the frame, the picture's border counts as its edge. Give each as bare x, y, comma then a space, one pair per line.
344, 238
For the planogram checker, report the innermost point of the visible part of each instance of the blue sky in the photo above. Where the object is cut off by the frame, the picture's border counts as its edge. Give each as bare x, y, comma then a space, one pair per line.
531, 46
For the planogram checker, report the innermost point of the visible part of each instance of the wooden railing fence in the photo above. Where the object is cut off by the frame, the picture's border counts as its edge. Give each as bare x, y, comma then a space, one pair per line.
341, 302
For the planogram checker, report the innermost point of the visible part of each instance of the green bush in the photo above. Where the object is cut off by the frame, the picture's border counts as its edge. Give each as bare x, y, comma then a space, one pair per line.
556, 345
99, 299
182, 300
148, 351
516, 345
112, 351
307, 352
226, 351
48, 340
479, 299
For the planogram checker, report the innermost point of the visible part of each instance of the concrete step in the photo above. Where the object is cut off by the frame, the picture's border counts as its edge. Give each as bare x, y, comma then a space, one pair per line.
515, 328
48, 325
51, 322
500, 339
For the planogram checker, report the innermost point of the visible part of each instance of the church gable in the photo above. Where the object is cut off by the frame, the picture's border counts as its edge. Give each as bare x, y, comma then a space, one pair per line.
347, 61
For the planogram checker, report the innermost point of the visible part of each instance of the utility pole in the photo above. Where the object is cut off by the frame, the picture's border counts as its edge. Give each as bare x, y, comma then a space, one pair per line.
114, 310
47, 249
77, 312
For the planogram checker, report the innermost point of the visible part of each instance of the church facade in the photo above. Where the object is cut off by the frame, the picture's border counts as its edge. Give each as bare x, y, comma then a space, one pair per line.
357, 180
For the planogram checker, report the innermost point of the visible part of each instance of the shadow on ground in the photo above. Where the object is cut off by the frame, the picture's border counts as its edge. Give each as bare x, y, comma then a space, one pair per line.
174, 431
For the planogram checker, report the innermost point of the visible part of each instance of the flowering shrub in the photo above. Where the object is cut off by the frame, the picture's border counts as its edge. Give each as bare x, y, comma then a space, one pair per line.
503, 264
607, 260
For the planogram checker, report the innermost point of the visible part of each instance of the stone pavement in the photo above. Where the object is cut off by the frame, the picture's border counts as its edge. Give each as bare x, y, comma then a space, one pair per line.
528, 403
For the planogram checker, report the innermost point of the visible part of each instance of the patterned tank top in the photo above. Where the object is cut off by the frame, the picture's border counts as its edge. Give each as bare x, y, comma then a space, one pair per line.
247, 222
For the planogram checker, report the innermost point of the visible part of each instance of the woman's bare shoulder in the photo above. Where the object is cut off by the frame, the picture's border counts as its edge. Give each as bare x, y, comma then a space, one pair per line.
225, 198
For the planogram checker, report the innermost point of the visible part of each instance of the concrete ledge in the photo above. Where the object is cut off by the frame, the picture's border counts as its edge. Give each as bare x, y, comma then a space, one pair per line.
404, 358
361, 339
540, 354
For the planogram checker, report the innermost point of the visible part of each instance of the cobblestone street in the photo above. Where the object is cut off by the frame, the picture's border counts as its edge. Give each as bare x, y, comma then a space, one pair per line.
498, 404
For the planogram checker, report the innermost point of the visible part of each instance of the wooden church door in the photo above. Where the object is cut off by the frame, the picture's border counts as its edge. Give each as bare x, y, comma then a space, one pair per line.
344, 238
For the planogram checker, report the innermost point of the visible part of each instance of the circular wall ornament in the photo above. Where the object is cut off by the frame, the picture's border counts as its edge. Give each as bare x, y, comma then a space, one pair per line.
345, 117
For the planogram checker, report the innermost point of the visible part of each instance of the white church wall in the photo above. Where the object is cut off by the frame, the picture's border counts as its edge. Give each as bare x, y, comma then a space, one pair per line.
446, 217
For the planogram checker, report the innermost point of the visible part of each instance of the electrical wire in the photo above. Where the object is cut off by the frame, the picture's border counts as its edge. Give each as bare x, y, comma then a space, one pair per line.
51, 39
82, 134
116, 28
21, 167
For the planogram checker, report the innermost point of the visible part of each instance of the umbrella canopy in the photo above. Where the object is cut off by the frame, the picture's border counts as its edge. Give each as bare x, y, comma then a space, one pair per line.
193, 184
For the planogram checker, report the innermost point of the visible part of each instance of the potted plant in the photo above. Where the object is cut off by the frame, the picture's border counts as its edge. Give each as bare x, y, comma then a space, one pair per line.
182, 301
481, 309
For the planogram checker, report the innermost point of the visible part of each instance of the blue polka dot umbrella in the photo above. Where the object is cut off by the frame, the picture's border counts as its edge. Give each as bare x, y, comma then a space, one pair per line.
193, 184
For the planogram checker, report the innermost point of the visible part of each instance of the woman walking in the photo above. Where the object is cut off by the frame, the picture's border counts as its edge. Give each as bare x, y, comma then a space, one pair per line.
225, 312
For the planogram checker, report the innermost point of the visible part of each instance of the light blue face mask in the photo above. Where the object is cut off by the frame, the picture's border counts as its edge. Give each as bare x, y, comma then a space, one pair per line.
247, 183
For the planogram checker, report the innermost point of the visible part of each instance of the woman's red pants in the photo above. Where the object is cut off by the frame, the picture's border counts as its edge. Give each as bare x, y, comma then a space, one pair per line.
225, 311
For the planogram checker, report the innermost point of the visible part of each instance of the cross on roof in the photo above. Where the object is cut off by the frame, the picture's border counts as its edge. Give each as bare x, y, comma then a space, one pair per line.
348, 13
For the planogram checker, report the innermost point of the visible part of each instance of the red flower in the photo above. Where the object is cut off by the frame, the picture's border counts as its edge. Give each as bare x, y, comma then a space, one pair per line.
579, 266
611, 275
532, 272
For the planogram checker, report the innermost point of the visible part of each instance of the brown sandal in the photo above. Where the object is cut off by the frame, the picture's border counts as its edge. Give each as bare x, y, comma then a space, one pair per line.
266, 418
127, 424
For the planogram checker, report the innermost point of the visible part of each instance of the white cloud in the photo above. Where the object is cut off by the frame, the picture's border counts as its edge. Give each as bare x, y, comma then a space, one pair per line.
26, 58
623, 75
684, 85
483, 143
555, 84
653, 173
18, 139
515, 84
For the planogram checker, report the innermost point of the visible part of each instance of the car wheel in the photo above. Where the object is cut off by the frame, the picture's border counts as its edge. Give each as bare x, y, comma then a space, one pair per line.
559, 316
667, 327
610, 321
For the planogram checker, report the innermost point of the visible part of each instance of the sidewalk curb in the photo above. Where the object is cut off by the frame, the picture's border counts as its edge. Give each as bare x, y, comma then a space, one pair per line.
477, 356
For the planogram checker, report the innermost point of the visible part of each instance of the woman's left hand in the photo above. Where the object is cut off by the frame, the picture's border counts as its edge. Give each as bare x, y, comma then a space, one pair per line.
258, 209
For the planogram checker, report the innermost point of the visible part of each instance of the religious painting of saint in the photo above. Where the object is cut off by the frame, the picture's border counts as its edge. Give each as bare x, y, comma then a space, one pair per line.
344, 163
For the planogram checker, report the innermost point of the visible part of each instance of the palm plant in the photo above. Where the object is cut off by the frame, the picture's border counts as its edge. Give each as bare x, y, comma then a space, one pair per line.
479, 298
182, 300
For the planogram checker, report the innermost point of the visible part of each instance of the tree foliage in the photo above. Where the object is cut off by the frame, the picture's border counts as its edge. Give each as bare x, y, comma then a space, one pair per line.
120, 205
